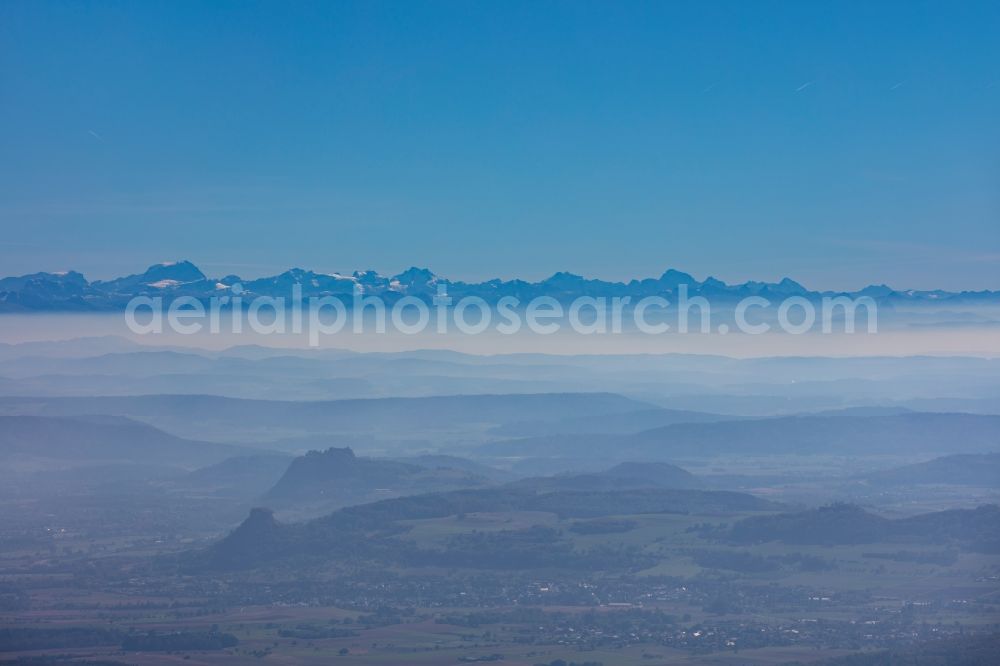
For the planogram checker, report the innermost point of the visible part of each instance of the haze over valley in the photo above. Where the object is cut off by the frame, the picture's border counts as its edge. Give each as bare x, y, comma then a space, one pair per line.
441, 506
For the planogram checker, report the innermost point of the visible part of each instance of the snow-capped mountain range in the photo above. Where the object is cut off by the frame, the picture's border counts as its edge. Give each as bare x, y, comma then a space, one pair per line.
71, 291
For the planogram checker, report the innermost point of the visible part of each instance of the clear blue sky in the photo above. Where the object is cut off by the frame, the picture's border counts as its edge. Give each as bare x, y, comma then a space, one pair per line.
838, 143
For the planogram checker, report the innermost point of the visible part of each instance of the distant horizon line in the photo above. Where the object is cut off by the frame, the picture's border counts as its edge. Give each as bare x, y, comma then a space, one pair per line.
709, 280
193, 349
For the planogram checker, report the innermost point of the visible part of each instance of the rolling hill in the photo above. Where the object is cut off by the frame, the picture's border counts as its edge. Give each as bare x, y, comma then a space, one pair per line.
960, 470
845, 524
89, 440
370, 532
800, 435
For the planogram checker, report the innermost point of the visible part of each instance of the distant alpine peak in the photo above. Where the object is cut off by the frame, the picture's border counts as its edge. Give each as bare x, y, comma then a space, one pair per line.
180, 269
789, 286
675, 277
414, 275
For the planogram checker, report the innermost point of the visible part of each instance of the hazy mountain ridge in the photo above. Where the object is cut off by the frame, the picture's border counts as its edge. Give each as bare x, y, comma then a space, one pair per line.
71, 291
816, 435
623, 423
690, 387
233, 419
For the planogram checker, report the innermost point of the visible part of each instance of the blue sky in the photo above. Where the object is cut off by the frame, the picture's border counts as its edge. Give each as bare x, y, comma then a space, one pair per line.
839, 143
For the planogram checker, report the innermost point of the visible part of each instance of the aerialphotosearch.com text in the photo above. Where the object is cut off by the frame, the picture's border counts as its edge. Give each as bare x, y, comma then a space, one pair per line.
319, 316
